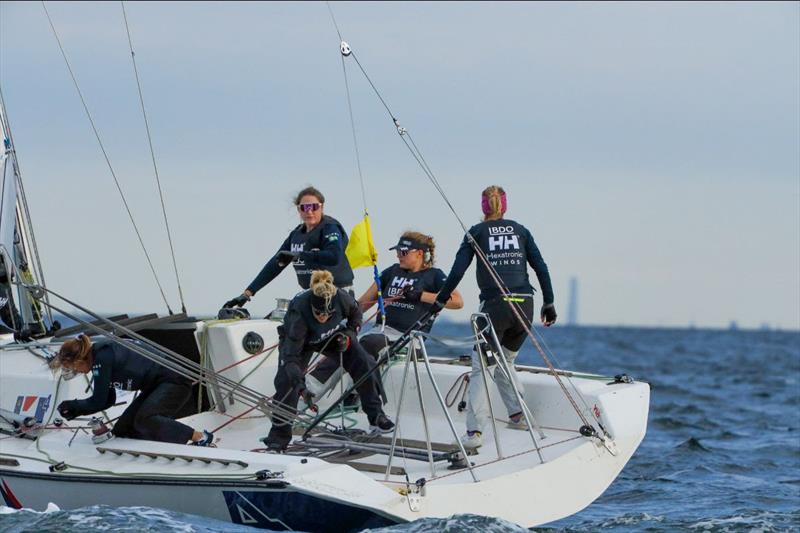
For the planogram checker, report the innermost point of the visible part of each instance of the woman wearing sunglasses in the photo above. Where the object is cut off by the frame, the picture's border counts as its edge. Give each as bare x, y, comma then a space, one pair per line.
318, 243
509, 247
162, 393
313, 323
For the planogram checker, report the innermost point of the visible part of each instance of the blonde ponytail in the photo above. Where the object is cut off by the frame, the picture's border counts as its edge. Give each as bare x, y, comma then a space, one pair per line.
322, 285
493, 202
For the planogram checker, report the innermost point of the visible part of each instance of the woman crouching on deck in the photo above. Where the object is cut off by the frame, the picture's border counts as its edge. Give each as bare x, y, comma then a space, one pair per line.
323, 319
162, 393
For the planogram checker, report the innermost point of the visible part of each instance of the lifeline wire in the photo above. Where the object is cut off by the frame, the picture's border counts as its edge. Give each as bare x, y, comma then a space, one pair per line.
105, 155
153, 158
417, 154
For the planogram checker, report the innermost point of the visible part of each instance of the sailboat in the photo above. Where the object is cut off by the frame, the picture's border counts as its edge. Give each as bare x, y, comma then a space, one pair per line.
335, 476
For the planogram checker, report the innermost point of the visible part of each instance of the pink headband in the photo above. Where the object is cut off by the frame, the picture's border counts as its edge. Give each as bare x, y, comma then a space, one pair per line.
487, 209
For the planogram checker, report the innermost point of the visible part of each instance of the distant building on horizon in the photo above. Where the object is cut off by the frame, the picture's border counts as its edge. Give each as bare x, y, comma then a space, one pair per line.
572, 309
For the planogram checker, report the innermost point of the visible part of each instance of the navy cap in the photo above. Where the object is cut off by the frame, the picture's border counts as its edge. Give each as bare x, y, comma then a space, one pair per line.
409, 244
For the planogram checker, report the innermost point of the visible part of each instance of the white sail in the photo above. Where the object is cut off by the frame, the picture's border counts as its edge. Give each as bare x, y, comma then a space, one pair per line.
8, 202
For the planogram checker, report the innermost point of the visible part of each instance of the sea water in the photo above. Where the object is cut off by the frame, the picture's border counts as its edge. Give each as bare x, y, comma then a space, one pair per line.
722, 451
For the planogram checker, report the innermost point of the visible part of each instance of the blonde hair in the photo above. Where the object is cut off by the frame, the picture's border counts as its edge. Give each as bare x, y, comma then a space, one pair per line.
493, 194
72, 351
426, 240
322, 285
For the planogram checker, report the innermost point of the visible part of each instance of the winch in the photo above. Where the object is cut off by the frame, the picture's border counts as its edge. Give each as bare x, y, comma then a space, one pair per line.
100, 431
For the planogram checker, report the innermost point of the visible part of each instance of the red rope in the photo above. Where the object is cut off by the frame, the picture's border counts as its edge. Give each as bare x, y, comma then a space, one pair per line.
235, 418
247, 358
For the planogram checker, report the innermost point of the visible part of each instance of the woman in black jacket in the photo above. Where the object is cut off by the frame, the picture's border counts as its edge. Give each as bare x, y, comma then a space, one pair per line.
162, 393
314, 323
318, 243
509, 248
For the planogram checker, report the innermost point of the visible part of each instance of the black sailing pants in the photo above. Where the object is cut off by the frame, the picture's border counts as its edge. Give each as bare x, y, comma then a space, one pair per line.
151, 416
357, 363
372, 344
510, 332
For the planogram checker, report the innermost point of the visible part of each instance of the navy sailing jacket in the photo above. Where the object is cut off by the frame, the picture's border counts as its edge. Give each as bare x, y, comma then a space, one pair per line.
509, 247
322, 248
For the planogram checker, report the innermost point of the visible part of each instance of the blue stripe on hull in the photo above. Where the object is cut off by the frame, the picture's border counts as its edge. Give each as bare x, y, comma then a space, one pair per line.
284, 511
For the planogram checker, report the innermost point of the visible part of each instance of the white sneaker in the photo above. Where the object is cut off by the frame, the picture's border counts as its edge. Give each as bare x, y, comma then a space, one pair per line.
472, 439
520, 423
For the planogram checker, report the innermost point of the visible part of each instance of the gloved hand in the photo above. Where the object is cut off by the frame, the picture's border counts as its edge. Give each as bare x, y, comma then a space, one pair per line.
236, 302
411, 294
308, 397
285, 257
294, 373
23, 335
67, 409
436, 307
340, 342
549, 314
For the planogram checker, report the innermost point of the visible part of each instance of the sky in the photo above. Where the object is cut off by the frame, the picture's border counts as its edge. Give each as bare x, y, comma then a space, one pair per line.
653, 149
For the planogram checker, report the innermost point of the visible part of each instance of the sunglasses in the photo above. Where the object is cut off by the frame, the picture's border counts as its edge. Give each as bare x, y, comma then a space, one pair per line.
321, 314
403, 253
308, 208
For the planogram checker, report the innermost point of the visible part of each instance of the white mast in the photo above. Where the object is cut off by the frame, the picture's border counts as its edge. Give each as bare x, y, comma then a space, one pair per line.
17, 243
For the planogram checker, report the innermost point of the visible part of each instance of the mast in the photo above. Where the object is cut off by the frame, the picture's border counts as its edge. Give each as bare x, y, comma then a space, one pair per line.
18, 248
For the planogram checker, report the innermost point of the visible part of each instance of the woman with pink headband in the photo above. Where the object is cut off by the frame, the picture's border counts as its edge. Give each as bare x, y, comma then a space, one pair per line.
509, 248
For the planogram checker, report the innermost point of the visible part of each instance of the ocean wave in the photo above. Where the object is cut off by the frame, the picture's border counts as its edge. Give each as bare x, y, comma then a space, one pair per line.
749, 520
464, 523
693, 444
117, 519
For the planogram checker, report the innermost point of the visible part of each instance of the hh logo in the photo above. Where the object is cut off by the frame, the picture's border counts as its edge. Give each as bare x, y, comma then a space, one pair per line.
503, 242
398, 284
297, 248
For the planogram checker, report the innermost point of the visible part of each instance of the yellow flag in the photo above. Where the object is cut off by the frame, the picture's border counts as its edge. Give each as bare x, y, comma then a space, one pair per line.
360, 250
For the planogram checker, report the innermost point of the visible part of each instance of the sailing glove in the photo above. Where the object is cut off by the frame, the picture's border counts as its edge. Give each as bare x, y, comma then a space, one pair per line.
236, 302
67, 409
549, 314
285, 257
412, 295
340, 342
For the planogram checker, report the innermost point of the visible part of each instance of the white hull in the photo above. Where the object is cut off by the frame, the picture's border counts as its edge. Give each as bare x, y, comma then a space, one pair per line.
314, 494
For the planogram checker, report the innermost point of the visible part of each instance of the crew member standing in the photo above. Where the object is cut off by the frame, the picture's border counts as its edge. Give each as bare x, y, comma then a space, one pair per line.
318, 243
509, 247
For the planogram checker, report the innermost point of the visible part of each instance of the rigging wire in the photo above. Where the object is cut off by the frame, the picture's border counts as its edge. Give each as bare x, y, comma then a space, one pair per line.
153, 158
344, 48
105, 155
408, 140
27, 218
350, 109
